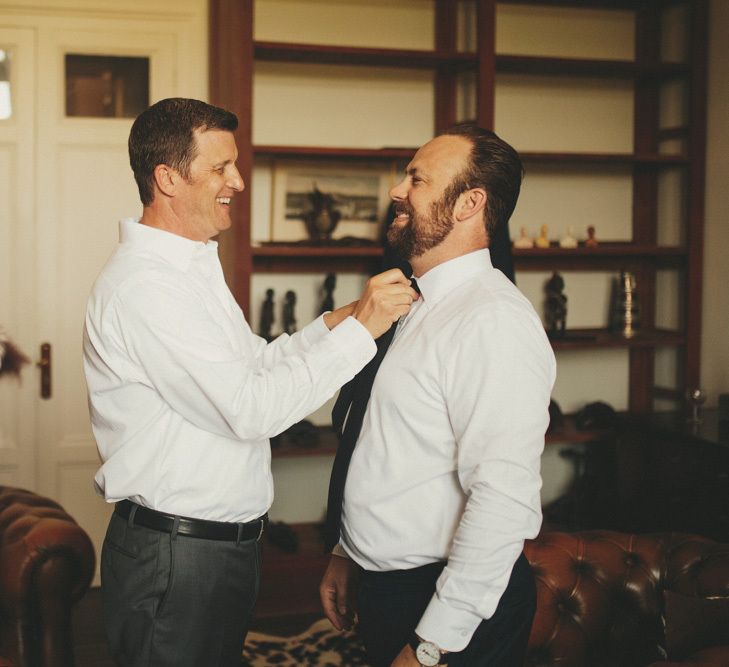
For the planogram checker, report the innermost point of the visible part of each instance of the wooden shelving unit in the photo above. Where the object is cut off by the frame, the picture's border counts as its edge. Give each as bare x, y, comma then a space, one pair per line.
326, 444
234, 53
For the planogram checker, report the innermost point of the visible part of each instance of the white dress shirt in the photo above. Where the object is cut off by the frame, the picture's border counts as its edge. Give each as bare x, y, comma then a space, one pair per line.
447, 465
183, 396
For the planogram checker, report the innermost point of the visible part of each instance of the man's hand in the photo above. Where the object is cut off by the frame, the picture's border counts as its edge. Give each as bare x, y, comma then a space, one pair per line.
406, 658
337, 592
386, 298
334, 317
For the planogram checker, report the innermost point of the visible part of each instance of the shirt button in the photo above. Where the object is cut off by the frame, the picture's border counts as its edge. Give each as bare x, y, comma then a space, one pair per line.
464, 633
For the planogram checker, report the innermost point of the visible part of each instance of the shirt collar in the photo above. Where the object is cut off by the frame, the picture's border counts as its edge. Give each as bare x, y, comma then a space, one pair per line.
441, 280
176, 249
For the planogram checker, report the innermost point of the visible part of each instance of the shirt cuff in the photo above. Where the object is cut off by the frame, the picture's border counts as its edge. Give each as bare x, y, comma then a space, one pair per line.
338, 550
314, 331
354, 341
448, 628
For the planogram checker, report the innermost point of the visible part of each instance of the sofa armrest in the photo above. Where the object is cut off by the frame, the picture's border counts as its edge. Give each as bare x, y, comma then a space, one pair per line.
46, 565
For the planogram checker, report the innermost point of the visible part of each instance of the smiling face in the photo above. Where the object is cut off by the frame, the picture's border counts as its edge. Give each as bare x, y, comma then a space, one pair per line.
425, 198
203, 199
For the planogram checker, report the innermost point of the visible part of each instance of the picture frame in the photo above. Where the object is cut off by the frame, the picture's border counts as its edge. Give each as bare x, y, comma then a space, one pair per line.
360, 193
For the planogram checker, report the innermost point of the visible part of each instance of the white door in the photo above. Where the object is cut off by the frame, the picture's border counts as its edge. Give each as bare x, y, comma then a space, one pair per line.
17, 313
73, 193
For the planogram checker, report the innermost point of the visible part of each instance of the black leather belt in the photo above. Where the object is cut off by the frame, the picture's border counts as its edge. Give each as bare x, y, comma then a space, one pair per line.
206, 530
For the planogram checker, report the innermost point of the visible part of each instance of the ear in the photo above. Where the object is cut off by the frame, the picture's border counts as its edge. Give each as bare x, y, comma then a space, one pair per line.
470, 203
166, 179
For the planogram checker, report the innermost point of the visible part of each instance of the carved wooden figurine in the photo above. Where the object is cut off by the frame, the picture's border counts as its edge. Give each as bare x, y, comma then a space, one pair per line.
266, 320
289, 317
555, 305
524, 241
542, 240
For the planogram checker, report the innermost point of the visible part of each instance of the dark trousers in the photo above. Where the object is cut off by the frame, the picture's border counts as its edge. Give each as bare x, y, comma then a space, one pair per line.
391, 604
176, 601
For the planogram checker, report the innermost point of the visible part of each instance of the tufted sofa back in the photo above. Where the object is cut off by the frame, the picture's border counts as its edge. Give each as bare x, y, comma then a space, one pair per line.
46, 564
600, 593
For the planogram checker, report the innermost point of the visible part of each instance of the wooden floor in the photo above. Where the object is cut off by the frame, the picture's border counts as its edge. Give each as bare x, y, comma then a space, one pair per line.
90, 643
88, 632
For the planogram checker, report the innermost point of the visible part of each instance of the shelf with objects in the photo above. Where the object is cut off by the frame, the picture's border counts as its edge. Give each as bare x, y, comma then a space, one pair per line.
477, 77
605, 101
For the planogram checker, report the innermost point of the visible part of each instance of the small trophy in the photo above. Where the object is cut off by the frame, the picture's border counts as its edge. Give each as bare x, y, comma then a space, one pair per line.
626, 314
695, 398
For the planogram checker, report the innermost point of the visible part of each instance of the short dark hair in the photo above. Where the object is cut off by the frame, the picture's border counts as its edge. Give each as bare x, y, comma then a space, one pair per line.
494, 166
165, 134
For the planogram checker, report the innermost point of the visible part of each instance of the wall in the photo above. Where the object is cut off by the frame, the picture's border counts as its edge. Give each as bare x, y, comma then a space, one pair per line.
715, 346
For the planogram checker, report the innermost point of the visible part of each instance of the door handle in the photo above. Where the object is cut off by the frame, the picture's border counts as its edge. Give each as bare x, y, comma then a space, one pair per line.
45, 370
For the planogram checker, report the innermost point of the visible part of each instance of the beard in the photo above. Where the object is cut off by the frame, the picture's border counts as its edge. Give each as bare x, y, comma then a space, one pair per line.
422, 232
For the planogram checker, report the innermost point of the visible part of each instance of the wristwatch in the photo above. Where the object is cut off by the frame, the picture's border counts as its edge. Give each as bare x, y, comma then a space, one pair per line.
427, 653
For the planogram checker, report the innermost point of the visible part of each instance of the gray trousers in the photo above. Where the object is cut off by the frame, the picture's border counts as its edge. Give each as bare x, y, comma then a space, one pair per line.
175, 601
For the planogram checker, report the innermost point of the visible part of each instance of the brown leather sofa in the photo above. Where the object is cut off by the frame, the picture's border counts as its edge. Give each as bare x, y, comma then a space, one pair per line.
610, 599
46, 565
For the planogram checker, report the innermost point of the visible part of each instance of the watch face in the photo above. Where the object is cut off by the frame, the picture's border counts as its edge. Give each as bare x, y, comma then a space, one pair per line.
427, 654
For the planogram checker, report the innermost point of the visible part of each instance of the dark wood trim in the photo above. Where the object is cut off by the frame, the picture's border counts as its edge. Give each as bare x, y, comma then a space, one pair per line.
578, 4
318, 152
445, 77
319, 252
404, 153
608, 249
696, 184
669, 393
668, 133
486, 51
605, 249
231, 87
326, 445
593, 338
599, 68
321, 54
301, 263
646, 159
640, 380
645, 198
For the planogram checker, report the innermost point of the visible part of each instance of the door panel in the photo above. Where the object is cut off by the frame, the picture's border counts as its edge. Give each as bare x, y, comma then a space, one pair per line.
17, 400
87, 187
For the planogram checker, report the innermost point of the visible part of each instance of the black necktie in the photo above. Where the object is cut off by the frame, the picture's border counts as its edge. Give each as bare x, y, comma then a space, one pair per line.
353, 398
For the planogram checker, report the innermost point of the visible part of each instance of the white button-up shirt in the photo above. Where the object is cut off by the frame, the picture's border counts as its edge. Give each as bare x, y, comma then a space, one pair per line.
447, 465
183, 396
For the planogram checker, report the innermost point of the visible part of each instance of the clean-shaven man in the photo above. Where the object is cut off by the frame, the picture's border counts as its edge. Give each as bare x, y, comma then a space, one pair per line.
184, 398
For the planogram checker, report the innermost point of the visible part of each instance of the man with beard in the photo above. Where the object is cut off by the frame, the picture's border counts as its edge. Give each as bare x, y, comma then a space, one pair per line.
443, 482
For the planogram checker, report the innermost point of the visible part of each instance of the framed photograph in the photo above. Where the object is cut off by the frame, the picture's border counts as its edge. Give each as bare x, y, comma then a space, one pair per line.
358, 193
